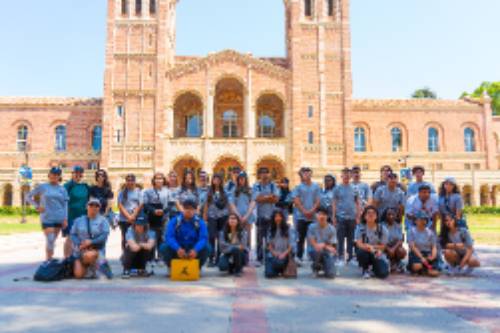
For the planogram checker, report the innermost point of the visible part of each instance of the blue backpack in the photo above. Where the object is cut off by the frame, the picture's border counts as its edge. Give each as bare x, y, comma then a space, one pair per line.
54, 270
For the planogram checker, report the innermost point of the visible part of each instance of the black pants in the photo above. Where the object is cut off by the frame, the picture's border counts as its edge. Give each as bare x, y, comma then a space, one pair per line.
274, 266
262, 228
233, 261
168, 254
345, 230
380, 266
135, 260
159, 230
215, 226
302, 226
123, 228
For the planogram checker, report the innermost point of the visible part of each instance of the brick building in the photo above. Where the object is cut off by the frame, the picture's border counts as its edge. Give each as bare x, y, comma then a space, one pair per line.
162, 112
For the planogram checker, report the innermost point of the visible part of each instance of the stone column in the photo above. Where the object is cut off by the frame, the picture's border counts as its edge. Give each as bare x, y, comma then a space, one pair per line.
170, 122
476, 195
16, 194
488, 138
250, 115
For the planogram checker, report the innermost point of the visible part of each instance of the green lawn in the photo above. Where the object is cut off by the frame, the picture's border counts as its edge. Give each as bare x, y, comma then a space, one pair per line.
485, 228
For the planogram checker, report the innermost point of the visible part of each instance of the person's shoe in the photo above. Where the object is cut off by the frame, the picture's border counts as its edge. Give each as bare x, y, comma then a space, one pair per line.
299, 262
238, 274
467, 270
340, 263
91, 273
126, 275
211, 264
353, 262
366, 275
106, 270
257, 264
401, 268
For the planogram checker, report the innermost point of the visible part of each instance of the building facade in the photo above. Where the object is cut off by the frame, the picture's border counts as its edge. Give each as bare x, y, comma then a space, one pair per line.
162, 112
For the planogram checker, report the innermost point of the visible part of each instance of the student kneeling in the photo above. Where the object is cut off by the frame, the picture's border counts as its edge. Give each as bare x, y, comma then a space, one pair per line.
233, 245
322, 238
459, 248
89, 234
186, 236
423, 248
279, 245
371, 241
140, 243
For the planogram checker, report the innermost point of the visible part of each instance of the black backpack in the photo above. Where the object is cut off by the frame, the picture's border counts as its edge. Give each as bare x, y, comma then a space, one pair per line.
55, 270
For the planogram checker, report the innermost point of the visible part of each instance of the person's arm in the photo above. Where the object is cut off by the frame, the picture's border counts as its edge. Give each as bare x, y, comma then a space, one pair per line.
225, 247
30, 198
170, 236
417, 252
73, 235
376, 198
203, 237
250, 210
205, 211
150, 244
357, 202
334, 210
103, 236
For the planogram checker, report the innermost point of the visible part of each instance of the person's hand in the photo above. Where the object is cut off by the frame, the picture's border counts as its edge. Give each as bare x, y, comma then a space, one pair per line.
242, 247
425, 262
181, 253
431, 258
459, 246
319, 247
332, 250
378, 253
40, 209
192, 254
159, 212
334, 221
244, 220
391, 252
65, 224
282, 255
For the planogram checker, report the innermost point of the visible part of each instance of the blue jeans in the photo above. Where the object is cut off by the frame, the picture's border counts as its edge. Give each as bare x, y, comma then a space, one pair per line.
367, 259
233, 261
274, 266
168, 254
324, 261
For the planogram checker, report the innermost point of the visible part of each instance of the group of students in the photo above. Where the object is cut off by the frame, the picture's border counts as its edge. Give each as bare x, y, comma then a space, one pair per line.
348, 222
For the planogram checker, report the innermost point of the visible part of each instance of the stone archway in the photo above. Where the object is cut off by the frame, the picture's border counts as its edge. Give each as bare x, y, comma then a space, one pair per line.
467, 195
225, 165
188, 116
275, 166
8, 196
485, 197
186, 163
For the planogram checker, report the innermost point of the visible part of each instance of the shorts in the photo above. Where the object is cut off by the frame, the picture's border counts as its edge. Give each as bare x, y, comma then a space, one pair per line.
413, 259
67, 230
51, 225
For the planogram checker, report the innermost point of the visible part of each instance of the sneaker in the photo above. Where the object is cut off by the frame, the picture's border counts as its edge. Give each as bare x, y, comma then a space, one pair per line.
353, 262
401, 268
257, 264
91, 273
467, 270
340, 263
106, 270
366, 275
299, 262
211, 264
126, 275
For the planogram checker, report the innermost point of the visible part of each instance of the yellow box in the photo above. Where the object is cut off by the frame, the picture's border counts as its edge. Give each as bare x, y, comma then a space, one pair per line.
185, 270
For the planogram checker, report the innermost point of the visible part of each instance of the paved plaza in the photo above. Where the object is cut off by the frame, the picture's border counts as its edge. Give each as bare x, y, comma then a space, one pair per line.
248, 304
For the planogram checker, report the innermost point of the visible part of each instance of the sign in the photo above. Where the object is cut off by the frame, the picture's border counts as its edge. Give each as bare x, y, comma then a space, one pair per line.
185, 270
26, 174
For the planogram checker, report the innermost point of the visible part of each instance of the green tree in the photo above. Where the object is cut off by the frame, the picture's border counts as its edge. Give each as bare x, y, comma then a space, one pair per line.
492, 89
425, 92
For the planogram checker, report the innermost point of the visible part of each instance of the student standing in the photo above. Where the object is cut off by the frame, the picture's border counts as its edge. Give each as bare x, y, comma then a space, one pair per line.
155, 201
130, 204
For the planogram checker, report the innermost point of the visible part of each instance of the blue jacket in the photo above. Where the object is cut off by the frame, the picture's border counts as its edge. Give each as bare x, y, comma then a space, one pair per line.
188, 235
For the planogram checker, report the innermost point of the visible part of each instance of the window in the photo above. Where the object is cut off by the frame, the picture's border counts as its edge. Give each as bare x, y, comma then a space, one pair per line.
93, 165
124, 7
61, 138
330, 8
230, 126
97, 139
397, 141
469, 138
433, 141
119, 110
359, 139
308, 11
152, 7
267, 126
310, 111
310, 138
118, 136
194, 126
138, 7
22, 138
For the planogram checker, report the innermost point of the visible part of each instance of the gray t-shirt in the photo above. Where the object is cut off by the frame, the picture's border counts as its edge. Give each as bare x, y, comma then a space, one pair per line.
326, 235
219, 207
389, 199
188, 193
395, 233
415, 186
451, 204
280, 243
265, 210
54, 199
308, 195
99, 232
326, 198
363, 192
345, 199
424, 240
415, 205
139, 238
242, 203
461, 236
376, 236
134, 200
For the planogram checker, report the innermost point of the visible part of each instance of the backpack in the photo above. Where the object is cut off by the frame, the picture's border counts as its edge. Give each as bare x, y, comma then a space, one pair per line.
55, 270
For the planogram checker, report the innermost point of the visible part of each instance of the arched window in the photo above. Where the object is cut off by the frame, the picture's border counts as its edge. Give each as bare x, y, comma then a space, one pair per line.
229, 124
433, 140
61, 138
194, 127
138, 7
22, 138
267, 126
470, 140
124, 7
152, 7
120, 110
310, 138
397, 139
97, 139
330, 7
359, 139
308, 8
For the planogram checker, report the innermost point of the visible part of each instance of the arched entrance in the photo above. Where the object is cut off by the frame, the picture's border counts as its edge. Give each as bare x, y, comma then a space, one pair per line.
467, 195
187, 163
7, 195
485, 196
275, 167
188, 116
225, 165
270, 112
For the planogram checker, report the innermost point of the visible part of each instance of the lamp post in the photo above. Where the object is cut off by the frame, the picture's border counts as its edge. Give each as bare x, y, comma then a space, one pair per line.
26, 175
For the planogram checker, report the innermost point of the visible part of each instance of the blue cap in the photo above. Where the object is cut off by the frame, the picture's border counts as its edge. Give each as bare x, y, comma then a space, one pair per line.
55, 171
141, 220
421, 215
78, 168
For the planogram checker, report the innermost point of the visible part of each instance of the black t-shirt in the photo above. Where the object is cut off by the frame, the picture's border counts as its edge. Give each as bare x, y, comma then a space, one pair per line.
103, 194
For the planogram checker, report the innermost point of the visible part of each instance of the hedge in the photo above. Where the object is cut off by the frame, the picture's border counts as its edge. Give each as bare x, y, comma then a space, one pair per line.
482, 210
6, 210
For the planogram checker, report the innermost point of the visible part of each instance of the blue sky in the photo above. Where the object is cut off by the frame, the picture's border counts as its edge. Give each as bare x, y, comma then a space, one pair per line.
56, 47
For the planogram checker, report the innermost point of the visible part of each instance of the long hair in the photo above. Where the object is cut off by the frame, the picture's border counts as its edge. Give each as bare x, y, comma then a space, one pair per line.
442, 190
363, 219
106, 182
283, 227
211, 192
386, 212
444, 234
241, 189
184, 185
159, 174
125, 189
227, 228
